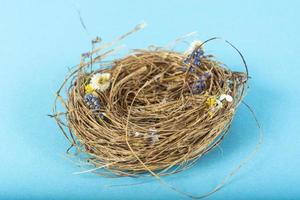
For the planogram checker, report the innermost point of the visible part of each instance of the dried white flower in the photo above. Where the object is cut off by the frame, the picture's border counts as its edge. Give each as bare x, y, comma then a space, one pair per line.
219, 104
100, 81
227, 97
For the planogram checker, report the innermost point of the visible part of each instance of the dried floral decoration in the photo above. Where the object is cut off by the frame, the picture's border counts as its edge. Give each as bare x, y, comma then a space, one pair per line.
100, 81
151, 111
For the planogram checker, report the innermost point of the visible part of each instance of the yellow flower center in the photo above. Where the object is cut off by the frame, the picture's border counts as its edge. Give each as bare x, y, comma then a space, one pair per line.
102, 80
211, 101
89, 89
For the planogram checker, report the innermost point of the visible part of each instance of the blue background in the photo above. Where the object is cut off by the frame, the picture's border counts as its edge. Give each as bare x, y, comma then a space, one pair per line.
39, 40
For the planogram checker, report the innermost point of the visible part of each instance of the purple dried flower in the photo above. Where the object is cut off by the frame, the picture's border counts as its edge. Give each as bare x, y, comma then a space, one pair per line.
197, 62
186, 61
85, 55
200, 84
101, 115
200, 52
206, 74
195, 56
98, 107
92, 102
201, 80
192, 69
88, 97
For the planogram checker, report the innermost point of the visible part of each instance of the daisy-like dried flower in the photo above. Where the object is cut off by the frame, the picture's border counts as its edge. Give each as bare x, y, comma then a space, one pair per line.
100, 81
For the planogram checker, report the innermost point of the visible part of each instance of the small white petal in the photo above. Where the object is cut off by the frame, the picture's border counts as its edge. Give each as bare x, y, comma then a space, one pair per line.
106, 75
219, 104
222, 97
229, 98
104, 86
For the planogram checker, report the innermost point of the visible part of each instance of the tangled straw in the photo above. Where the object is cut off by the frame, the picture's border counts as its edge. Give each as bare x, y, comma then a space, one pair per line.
162, 111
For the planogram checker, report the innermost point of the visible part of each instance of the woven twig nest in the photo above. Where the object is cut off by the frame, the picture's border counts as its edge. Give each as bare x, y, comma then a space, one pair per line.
154, 111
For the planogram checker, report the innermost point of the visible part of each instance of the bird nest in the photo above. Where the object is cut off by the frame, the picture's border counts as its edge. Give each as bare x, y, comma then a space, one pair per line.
154, 111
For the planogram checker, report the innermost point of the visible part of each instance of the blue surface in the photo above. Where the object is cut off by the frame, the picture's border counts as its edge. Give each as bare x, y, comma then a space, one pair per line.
40, 39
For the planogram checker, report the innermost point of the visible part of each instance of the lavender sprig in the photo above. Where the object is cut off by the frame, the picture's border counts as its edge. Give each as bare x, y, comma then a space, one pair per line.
92, 101
200, 84
194, 58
